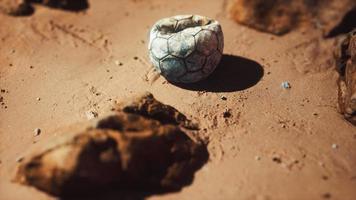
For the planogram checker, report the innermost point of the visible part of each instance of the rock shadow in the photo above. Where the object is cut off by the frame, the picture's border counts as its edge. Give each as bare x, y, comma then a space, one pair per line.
234, 73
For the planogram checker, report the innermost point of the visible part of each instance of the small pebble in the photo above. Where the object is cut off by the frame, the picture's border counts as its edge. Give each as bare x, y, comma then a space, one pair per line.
38, 99
20, 159
257, 158
326, 196
91, 115
334, 146
223, 98
227, 114
286, 85
37, 131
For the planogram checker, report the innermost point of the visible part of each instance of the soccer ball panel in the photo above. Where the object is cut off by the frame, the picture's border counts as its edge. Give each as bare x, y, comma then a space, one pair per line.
206, 42
192, 77
181, 44
172, 68
212, 62
159, 47
155, 62
195, 61
180, 17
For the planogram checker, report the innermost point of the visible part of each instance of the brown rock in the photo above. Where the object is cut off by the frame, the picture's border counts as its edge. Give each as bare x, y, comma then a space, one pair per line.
147, 106
16, 7
281, 16
346, 65
74, 5
123, 151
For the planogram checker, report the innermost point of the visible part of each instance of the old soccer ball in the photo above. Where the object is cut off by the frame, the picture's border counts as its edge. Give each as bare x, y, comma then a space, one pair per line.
186, 48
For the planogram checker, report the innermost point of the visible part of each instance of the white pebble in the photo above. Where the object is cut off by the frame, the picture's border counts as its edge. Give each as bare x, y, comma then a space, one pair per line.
37, 131
334, 146
91, 115
286, 85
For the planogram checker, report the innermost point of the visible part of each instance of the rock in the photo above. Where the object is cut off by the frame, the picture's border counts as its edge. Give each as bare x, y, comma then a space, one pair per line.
148, 106
16, 7
123, 151
346, 66
91, 115
281, 16
74, 5
25, 8
286, 85
37, 132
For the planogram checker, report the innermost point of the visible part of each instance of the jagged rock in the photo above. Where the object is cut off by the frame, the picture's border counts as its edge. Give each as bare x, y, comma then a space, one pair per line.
281, 16
346, 65
25, 8
15, 7
123, 151
148, 106
74, 5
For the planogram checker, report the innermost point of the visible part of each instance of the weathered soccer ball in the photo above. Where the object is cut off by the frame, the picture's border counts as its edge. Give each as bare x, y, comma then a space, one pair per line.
186, 48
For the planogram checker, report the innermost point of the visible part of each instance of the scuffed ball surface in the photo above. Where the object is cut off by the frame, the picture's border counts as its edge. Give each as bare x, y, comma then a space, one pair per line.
186, 48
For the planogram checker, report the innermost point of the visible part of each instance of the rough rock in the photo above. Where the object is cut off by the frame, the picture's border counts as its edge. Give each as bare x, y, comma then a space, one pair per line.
74, 5
281, 16
25, 8
148, 106
346, 65
123, 151
16, 7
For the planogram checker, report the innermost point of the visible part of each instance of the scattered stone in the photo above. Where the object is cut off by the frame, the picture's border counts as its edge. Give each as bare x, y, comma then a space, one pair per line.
257, 158
91, 115
324, 177
281, 16
334, 146
286, 85
3, 90
326, 196
20, 159
37, 132
277, 160
38, 99
227, 113
135, 58
123, 151
223, 98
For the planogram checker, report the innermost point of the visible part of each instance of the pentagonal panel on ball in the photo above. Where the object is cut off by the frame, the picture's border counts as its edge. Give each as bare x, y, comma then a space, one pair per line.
195, 61
181, 44
172, 67
211, 62
206, 42
192, 77
155, 62
159, 47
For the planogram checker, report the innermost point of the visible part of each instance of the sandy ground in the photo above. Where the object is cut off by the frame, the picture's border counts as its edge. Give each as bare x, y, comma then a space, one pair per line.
277, 143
